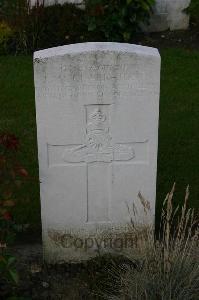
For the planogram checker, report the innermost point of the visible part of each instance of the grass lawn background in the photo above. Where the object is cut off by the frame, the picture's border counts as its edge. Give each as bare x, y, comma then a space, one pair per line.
178, 158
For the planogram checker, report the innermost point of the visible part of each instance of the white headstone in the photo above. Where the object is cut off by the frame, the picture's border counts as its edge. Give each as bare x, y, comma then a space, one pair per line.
169, 14
177, 17
97, 110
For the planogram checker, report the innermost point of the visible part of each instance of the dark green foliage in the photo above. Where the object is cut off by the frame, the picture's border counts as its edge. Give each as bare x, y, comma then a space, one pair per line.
193, 10
53, 26
11, 177
7, 269
41, 27
18, 113
118, 20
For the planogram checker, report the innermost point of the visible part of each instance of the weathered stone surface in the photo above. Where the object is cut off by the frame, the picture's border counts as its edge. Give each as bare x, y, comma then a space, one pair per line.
178, 19
97, 119
169, 14
52, 2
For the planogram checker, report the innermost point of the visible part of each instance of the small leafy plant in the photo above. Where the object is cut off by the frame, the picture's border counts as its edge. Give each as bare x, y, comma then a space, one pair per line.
12, 175
39, 26
193, 10
7, 268
118, 20
5, 35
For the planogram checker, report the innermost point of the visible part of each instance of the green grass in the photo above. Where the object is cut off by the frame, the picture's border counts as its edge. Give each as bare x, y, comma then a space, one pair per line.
18, 117
178, 158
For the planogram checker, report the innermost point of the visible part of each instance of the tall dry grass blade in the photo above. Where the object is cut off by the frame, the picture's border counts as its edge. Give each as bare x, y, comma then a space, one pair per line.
183, 217
167, 233
144, 202
168, 267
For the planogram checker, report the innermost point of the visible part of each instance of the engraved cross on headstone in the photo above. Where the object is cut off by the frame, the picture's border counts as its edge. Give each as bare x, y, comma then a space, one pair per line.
98, 153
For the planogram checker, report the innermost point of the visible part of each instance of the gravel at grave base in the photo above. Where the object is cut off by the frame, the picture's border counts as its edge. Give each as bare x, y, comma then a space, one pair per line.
188, 39
39, 281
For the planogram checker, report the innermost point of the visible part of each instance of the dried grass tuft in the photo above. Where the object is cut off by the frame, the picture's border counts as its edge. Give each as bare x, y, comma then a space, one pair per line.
167, 266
